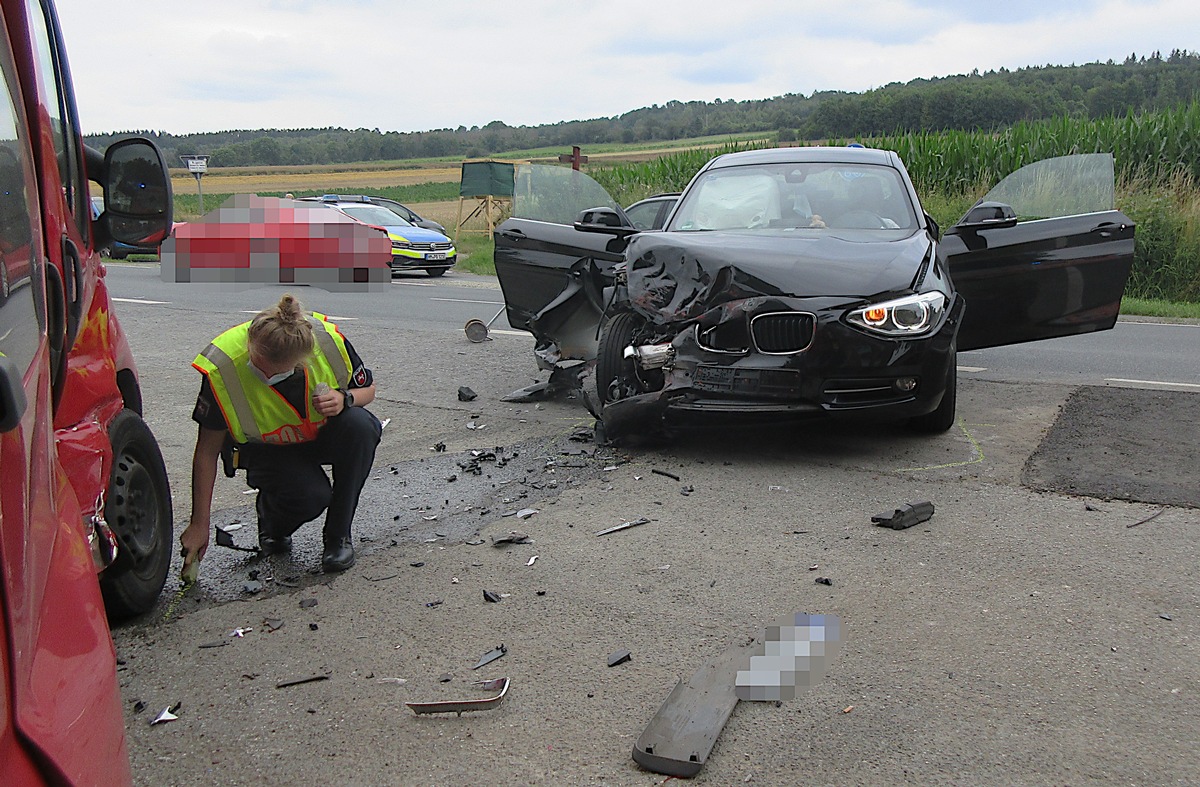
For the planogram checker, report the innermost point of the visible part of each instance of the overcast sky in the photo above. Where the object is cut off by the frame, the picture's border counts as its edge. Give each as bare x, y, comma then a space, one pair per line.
398, 65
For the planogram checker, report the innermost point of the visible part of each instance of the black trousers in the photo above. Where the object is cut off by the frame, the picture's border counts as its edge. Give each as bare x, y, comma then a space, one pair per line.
293, 487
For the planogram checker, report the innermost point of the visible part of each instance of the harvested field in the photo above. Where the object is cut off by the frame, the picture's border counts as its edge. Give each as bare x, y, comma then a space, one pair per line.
260, 182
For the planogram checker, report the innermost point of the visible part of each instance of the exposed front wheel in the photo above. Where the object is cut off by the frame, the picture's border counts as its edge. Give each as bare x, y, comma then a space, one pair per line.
942, 418
615, 375
137, 507
436, 271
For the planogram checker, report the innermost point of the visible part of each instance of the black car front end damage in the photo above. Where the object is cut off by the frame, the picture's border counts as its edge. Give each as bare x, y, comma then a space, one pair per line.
689, 333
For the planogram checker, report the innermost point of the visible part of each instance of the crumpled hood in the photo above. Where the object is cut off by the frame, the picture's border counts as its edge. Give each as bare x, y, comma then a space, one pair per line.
677, 276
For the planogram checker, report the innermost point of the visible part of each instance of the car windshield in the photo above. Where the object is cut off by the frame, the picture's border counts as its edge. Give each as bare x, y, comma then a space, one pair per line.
374, 214
793, 196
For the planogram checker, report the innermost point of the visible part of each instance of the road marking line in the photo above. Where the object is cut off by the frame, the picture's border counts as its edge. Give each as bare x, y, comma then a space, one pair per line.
510, 333
1160, 324
461, 300
139, 300
1150, 382
413, 284
972, 369
335, 318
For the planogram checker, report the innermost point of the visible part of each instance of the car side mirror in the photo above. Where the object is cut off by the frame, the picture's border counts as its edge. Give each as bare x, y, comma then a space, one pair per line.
935, 231
137, 193
986, 216
606, 221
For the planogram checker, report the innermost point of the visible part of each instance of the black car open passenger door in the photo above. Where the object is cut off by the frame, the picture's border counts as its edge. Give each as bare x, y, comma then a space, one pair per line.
1044, 254
551, 274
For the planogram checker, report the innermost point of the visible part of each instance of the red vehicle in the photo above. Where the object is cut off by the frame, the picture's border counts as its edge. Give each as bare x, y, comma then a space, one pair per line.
82, 483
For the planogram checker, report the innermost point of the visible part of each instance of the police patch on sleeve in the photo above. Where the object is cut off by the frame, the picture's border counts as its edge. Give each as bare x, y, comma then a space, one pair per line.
360, 376
201, 410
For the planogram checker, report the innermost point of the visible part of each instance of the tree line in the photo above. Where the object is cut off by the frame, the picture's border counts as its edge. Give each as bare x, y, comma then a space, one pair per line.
987, 101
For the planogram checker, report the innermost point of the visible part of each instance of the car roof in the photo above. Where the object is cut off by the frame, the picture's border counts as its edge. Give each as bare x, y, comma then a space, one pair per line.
801, 155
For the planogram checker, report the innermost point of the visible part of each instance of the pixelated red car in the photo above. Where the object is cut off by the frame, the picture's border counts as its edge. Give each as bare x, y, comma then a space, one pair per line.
253, 240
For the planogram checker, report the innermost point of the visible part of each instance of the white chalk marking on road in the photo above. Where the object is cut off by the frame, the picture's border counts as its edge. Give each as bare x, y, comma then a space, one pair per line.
1145, 382
511, 333
139, 300
972, 369
462, 300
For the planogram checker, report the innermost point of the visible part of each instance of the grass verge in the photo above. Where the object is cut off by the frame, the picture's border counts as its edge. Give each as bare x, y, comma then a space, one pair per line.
476, 254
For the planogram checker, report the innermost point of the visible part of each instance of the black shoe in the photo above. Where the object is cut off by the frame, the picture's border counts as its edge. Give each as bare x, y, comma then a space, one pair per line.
338, 556
273, 545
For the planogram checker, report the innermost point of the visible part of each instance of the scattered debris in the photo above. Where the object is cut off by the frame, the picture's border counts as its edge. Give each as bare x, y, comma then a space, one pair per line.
252, 587
383, 424
582, 435
283, 684
774, 488
525, 513
671, 476
618, 657
1166, 617
474, 542
462, 706
220, 644
139, 706
445, 677
475, 426
226, 540
687, 490
814, 566
240, 633
491, 597
665, 567
513, 537
531, 560
465, 394
439, 447
437, 602
541, 592
824, 581
491, 655
380, 579
307, 603
847, 709
417, 564
623, 526
288, 582
905, 516
273, 624
1155, 515
397, 681
313, 627
168, 714
232, 526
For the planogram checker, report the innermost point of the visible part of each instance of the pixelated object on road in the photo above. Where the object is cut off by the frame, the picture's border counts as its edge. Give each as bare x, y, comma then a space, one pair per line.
794, 655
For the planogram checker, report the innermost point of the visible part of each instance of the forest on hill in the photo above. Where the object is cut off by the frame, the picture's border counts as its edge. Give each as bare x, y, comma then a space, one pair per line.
987, 101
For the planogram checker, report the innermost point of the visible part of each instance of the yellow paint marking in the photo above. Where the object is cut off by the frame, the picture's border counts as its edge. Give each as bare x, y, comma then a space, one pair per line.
977, 459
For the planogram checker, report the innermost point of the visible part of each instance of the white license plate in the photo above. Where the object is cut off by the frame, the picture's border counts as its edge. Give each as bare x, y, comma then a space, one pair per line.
436, 255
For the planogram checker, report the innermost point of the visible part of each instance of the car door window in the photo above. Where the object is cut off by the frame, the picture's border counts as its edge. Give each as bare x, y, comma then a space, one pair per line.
64, 125
21, 319
644, 215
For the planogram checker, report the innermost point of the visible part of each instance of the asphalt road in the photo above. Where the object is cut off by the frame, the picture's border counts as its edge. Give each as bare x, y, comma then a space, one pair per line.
1021, 636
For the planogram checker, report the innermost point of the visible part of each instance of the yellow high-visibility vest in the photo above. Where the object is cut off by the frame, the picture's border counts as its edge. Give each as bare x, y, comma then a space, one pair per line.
254, 411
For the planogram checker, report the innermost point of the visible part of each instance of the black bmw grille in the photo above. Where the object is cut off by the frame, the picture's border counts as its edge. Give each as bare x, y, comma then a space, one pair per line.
787, 332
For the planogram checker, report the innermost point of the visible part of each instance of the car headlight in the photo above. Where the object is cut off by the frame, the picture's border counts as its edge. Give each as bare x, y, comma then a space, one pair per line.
908, 316
401, 244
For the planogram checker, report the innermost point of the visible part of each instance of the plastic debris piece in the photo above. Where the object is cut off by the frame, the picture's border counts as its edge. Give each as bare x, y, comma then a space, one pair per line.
313, 627
232, 526
439, 447
397, 681
220, 644
240, 632
474, 542
491, 655
139, 706
774, 488
671, 476
273, 624
1166, 617
824, 581
618, 657
525, 513
225, 540
167, 714
814, 566
513, 537
687, 490
437, 602
541, 592
383, 424
847, 709
623, 526
476, 426
252, 587
307, 603
283, 684
430, 518
465, 394
491, 597
1155, 515
663, 567
531, 560
905, 516
380, 579
417, 564
462, 706
445, 677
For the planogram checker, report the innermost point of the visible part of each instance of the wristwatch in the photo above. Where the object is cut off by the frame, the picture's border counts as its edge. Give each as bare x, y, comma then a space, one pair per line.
349, 397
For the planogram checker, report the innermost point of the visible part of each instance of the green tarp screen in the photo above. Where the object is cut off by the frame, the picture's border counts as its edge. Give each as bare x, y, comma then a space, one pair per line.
481, 178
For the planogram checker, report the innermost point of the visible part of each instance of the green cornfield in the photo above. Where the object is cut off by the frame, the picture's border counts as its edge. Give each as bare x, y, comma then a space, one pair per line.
1157, 159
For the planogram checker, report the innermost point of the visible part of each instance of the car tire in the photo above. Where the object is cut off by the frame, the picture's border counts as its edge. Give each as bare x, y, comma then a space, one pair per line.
113, 254
137, 507
435, 272
612, 367
942, 418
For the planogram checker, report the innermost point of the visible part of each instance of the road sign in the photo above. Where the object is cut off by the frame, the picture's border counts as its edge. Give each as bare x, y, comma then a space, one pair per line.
195, 164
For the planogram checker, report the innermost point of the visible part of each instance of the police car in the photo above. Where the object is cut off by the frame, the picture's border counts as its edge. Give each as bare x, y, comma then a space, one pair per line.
413, 248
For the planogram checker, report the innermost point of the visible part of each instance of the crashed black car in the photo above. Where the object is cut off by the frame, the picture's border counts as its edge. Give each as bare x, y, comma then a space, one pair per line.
804, 281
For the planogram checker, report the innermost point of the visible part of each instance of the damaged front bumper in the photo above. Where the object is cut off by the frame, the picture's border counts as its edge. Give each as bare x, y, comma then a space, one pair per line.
786, 358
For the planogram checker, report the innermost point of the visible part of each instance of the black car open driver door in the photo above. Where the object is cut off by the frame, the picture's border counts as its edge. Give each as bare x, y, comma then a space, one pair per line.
1044, 254
547, 269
